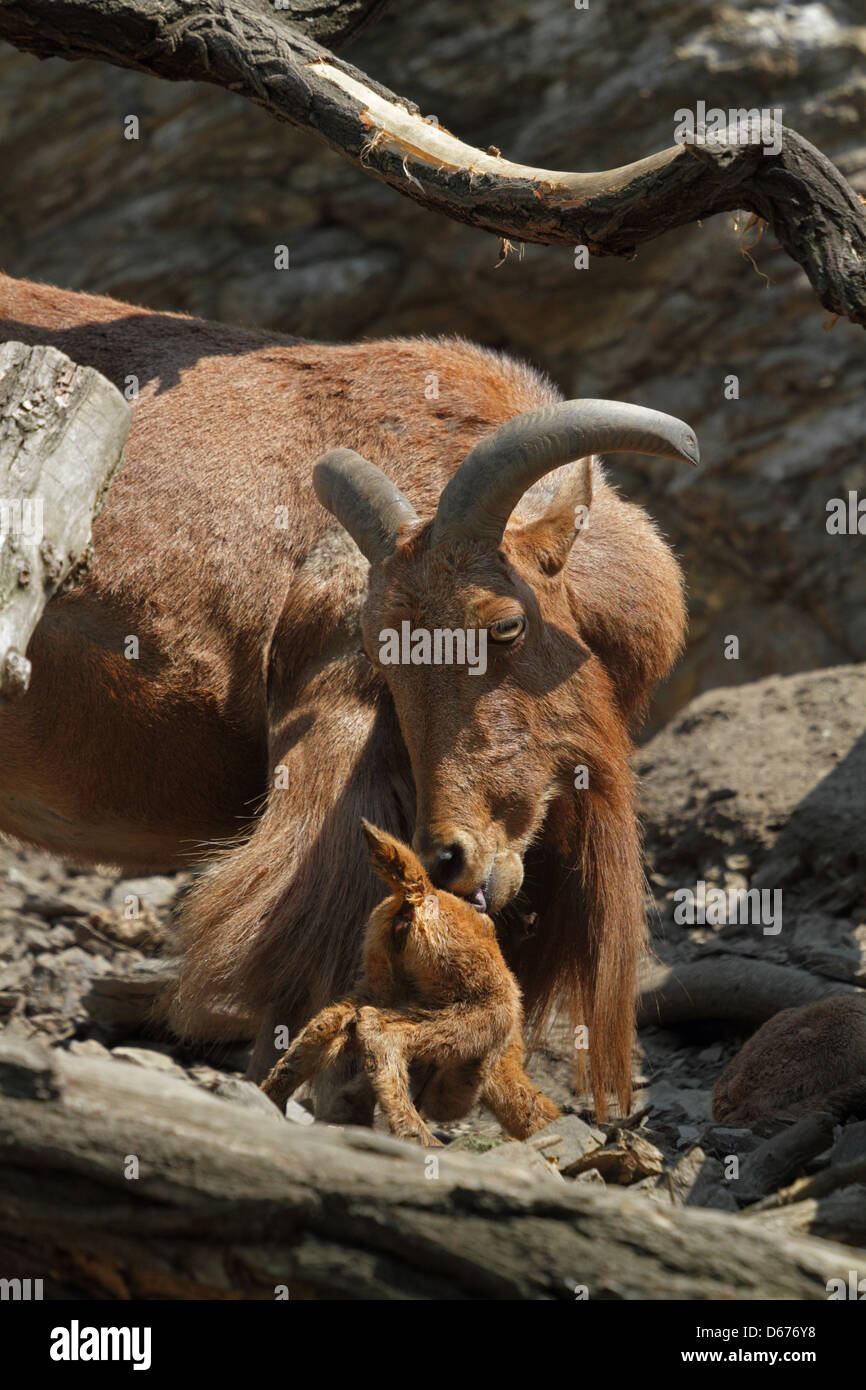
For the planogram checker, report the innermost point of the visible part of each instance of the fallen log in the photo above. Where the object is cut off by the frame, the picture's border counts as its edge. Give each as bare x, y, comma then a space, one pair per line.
62, 432
732, 987
838, 1216
777, 1160
121, 1182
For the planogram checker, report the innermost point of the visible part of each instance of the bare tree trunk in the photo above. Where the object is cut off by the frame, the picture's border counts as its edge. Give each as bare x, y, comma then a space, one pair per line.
62, 432
180, 1194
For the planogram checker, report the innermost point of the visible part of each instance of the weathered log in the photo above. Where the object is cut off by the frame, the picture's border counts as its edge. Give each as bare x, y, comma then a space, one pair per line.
839, 1216
818, 1186
229, 1203
777, 1160
726, 986
62, 432
816, 215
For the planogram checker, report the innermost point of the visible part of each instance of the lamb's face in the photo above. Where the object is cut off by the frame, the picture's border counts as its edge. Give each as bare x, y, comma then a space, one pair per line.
433, 934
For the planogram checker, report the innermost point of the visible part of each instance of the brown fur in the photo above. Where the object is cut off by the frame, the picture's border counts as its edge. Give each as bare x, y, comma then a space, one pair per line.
796, 1062
435, 990
257, 650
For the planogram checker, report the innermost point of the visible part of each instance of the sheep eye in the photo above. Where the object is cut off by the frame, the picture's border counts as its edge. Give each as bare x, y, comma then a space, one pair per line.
507, 629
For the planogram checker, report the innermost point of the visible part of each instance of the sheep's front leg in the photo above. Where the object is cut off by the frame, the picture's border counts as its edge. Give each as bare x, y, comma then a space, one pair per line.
384, 1041
320, 1044
519, 1106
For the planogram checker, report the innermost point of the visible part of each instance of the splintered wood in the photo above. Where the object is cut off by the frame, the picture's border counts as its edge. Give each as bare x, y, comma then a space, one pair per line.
62, 432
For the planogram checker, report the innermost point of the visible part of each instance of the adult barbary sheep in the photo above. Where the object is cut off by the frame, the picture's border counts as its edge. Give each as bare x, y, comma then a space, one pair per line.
252, 721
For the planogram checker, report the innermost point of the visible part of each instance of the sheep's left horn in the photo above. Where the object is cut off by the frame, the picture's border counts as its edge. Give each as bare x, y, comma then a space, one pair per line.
364, 500
482, 494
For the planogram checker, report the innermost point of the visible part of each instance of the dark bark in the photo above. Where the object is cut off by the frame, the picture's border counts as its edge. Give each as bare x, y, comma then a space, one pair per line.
817, 1187
817, 217
232, 1202
782, 1156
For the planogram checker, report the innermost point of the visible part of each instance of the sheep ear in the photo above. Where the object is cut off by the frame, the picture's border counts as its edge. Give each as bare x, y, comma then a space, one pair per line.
396, 864
551, 535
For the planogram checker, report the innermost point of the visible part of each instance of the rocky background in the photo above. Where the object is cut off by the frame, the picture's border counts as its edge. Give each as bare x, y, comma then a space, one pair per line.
760, 787
187, 218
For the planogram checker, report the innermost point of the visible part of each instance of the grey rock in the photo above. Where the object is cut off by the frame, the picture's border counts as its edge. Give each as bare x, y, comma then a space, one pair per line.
240, 1092
797, 805
522, 1157
592, 1178
157, 893
297, 1113
50, 905
723, 1141
566, 1140
60, 937
693, 1102
126, 996
10, 896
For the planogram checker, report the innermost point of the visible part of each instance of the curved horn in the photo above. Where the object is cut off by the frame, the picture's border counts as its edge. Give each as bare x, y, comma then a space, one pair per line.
482, 494
364, 500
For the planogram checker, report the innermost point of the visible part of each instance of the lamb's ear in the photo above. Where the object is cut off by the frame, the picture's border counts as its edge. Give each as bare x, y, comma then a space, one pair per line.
551, 535
396, 863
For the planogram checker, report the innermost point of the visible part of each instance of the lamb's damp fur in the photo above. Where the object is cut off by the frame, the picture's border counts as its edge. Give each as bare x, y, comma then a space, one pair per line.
255, 631
434, 990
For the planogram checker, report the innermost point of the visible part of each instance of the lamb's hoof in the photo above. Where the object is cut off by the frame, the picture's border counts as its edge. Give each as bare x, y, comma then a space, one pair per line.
425, 1139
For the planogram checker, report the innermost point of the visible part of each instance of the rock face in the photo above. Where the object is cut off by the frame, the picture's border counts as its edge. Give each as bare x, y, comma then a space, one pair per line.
763, 788
774, 771
187, 216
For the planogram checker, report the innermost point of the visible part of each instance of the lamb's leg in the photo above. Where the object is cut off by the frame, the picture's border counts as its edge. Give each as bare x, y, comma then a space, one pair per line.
317, 1046
452, 1090
343, 1094
384, 1041
519, 1106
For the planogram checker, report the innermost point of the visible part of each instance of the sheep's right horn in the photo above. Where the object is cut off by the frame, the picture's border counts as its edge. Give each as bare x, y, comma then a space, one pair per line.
482, 494
364, 500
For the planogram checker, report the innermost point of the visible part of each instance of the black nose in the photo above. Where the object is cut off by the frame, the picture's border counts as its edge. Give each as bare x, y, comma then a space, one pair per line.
446, 865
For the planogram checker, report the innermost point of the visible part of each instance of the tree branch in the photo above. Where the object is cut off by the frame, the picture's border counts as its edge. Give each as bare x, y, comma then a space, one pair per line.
816, 215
